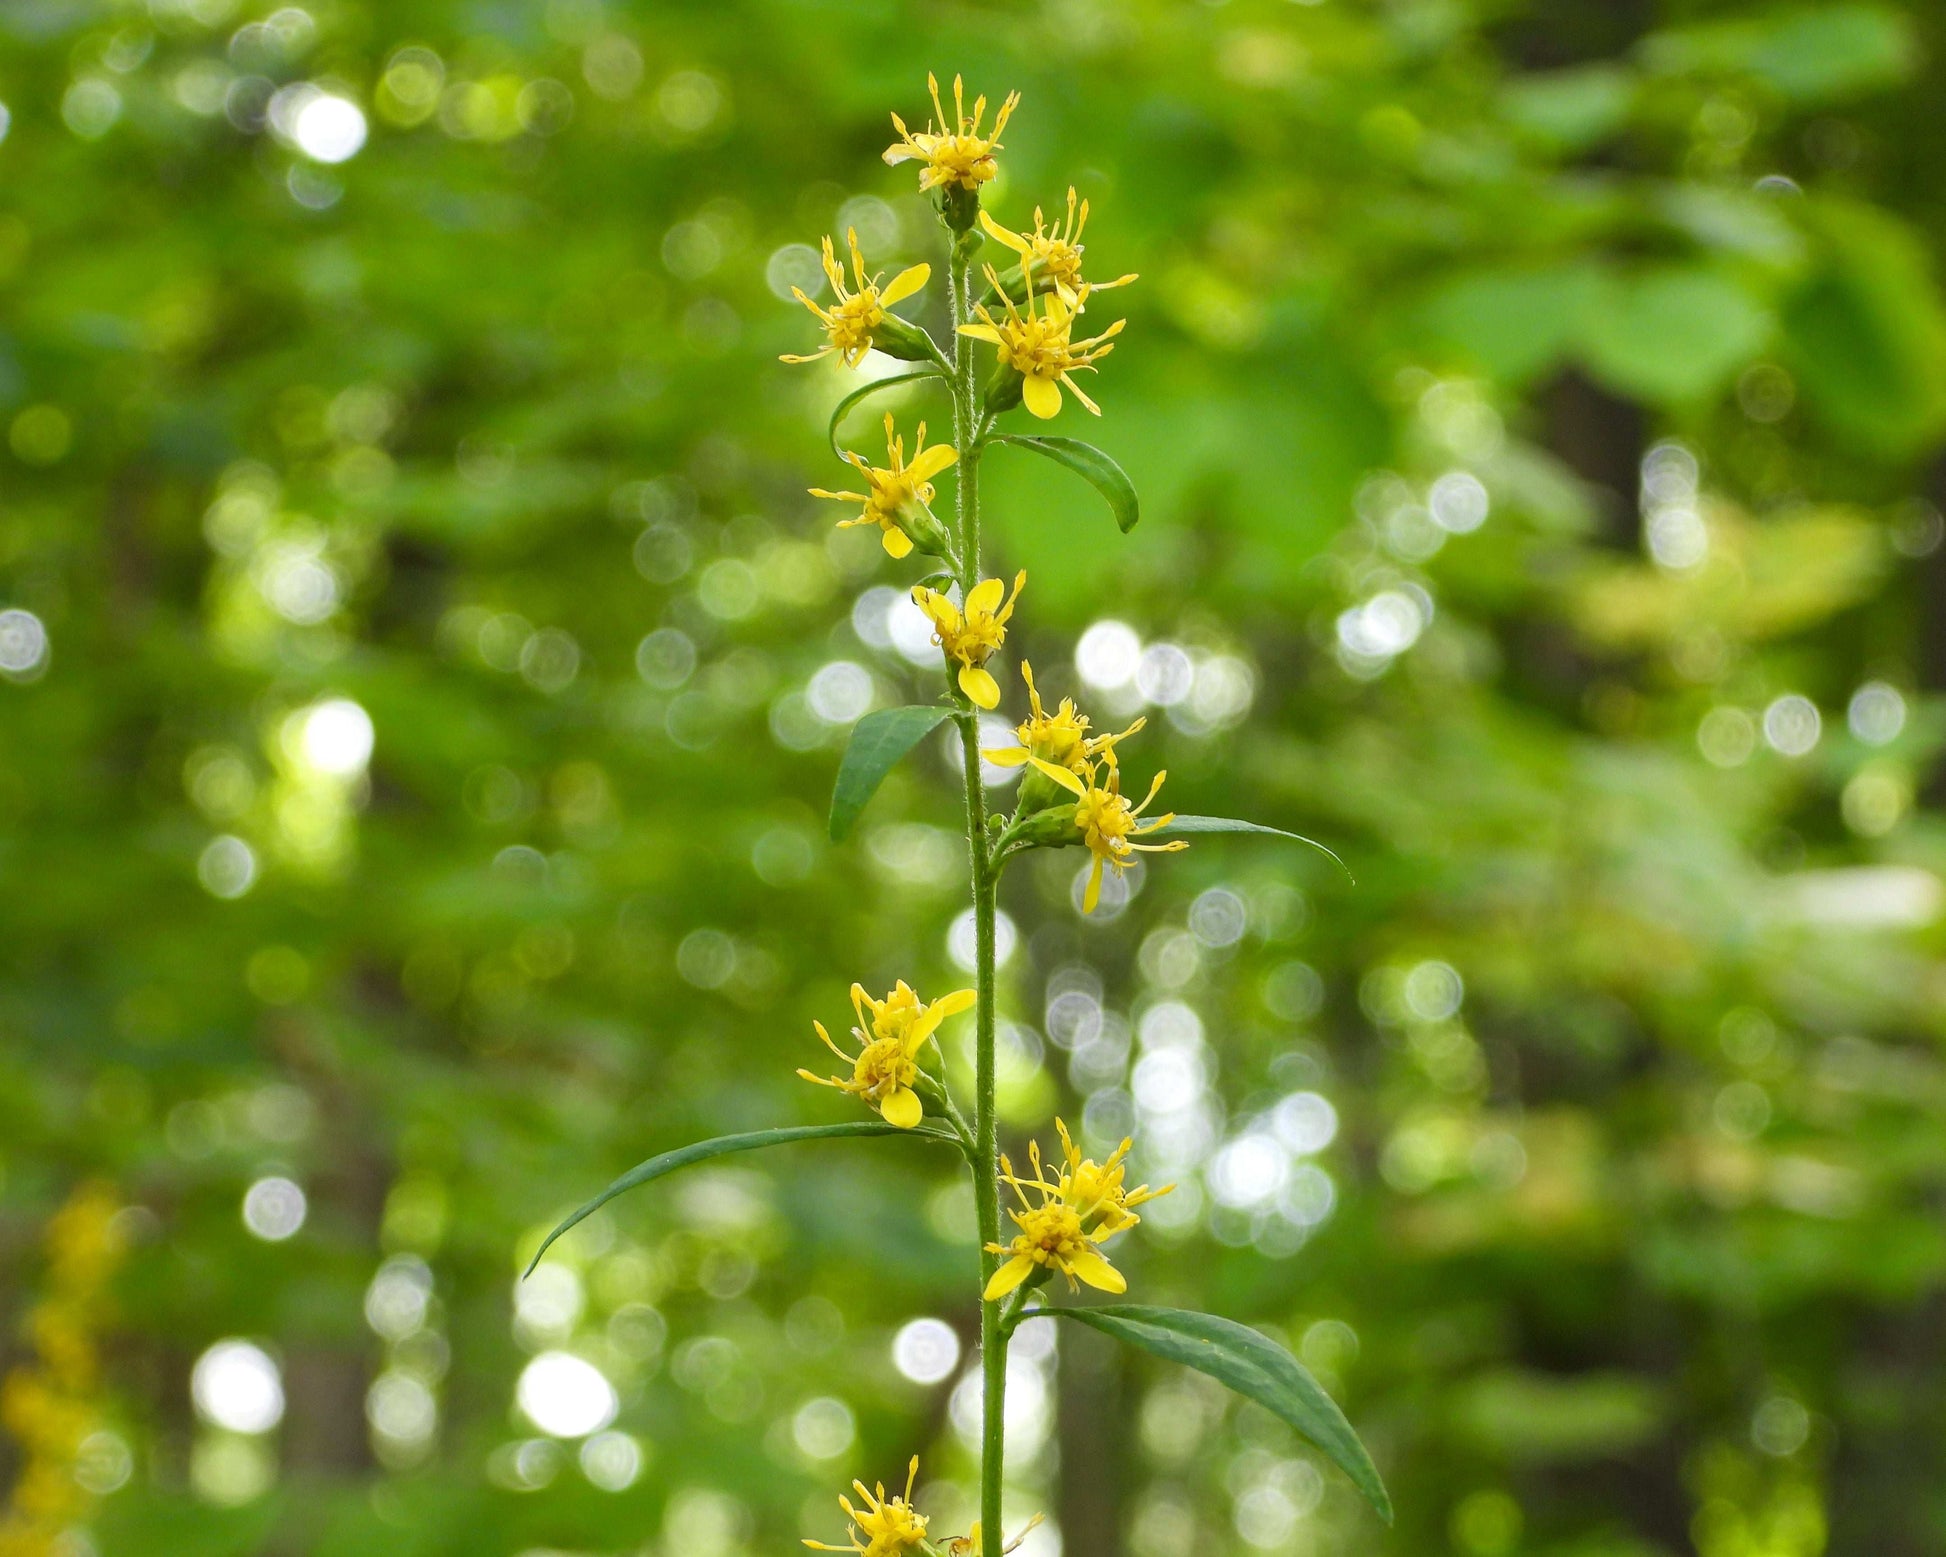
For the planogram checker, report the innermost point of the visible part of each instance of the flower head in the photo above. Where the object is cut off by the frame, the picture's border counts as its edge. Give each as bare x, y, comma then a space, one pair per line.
1055, 250
1067, 1218
889, 491
860, 308
1061, 737
1097, 1190
887, 1064
884, 1527
973, 635
958, 153
1109, 824
1039, 343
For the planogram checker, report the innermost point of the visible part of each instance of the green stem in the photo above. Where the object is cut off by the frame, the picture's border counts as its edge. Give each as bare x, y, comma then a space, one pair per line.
986, 1132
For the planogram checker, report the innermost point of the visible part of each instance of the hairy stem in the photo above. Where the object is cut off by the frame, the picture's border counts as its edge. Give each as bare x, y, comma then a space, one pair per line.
986, 1137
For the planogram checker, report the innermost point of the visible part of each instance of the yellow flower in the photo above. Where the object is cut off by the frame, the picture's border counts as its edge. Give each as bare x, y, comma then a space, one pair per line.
1056, 250
973, 636
1096, 1190
884, 1069
884, 1527
961, 156
1061, 1228
1061, 737
850, 322
888, 491
1039, 344
1109, 824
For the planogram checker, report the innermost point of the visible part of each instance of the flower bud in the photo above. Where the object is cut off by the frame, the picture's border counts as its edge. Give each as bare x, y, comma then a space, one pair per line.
903, 339
1048, 826
1004, 388
928, 534
959, 207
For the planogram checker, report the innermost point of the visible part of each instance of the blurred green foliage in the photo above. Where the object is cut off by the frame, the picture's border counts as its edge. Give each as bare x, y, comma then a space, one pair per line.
1535, 409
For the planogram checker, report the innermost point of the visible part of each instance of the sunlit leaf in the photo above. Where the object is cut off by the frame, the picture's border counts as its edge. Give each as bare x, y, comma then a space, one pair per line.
1093, 466
1187, 826
1253, 1365
701, 1151
877, 743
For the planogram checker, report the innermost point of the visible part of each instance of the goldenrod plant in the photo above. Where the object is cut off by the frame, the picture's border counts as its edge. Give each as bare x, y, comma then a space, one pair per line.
1065, 1212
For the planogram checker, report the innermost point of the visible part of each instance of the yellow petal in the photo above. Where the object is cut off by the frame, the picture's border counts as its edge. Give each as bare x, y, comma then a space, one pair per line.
897, 543
905, 283
897, 153
979, 332
1097, 1272
1042, 397
1007, 1277
1076, 390
983, 599
928, 463
1062, 776
1093, 894
978, 684
902, 1108
1012, 240
814, 356
1007, 756
929, 1019
944, 614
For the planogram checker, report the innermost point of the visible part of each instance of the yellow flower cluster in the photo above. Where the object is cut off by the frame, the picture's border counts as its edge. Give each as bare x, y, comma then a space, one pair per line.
887, 1065
49, 1407
891, 492
1056, 251
859, 312
1061, 737
891, 1527
1029, 315
1063, 1221
957, 157
883, 1527
973, 635
1039, 343
1109, 824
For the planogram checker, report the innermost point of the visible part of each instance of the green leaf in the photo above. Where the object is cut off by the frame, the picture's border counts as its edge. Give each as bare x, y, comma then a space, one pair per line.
1093, 466
1866, 336
1673, 334
852, 399
1574, 109
1250, 1363
1185, 826
702, 1151
1516, 322
878, 741
1810, 54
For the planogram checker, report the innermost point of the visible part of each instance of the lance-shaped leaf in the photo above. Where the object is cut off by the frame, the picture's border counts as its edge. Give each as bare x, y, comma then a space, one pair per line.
1250, 1363
1093, 466
878, 741
702, 1151
1185, 826
852, 399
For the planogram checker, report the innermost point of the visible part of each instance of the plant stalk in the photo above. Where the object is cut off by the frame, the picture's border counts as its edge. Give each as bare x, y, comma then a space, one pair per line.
986, 1134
